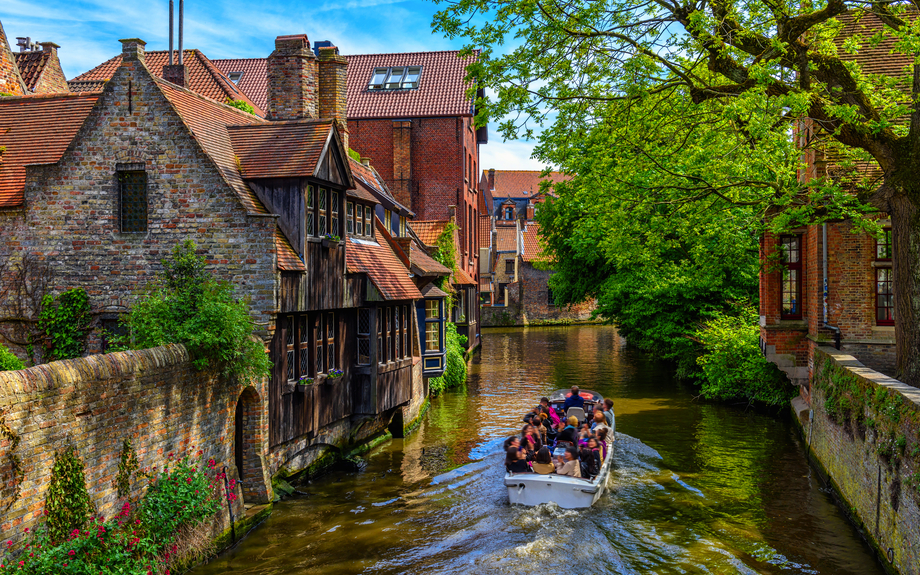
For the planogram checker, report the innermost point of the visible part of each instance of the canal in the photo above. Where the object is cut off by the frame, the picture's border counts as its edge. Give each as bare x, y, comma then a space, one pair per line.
698, 487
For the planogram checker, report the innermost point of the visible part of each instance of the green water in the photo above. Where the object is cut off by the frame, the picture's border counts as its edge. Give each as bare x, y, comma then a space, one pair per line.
698, 488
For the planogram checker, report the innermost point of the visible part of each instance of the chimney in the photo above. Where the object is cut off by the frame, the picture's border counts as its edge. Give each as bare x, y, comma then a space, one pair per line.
49, 48
402, 163
491, 179
292, 79
132, 50
333, 87
530, 210
175, 73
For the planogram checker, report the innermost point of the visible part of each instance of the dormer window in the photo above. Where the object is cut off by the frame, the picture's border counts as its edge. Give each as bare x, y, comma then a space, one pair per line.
509, 213
235, 77
395, 78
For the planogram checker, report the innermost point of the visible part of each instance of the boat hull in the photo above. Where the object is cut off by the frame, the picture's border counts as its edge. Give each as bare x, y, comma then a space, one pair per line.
567, 492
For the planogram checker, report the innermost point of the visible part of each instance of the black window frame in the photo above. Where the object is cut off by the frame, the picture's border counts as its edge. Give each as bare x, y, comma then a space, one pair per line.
124, 173
788, 267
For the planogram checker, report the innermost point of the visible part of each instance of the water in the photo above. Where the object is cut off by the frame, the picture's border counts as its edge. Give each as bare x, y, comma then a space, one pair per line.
698, 488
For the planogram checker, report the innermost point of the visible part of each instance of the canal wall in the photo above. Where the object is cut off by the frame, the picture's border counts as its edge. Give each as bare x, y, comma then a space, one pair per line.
863, 430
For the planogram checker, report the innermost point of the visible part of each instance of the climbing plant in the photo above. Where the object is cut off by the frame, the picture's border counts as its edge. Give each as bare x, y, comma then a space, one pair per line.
64, 323
446, 254
15, 463
8, 361
127, 466
67, 503
455, 367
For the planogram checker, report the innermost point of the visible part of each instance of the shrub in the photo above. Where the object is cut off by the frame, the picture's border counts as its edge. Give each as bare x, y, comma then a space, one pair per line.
186, 305
67, 503
181, 496
455, 367
732, 365
64, 322
8, 361
241, 105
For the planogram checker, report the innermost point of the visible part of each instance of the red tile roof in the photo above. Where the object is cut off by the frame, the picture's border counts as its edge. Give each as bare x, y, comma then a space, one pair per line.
506, 239
86, 85
36, 130
365, 180
441, 90
31, 65
382, 266
208, 123
425, 263
280, 149
460, 277
253, 82
521, 183
203, 77
882, 59
288, 260
485, 232
485, 284
533, 251
428, 230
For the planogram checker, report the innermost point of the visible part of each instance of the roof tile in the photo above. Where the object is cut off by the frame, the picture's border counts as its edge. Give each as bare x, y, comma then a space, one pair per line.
521, 183
424, 262
533, 251
279, 149
253, 82
506, 239
288, 260
382, 266
31, 65
428, 230
485, 231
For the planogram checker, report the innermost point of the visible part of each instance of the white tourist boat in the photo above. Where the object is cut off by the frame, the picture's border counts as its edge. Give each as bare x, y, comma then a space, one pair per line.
566, 492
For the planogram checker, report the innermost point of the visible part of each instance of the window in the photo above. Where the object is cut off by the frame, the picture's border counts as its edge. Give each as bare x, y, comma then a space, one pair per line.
509, 266
235, 77
311, 201
388, 220
402, 226
407, 352
395, 78
884, 281
321, 215
334, 208
461, 306
432, 325
469, 228
303, 335
509, 213
502, 290
389, 314
296, 347
364, 336
289, 348
397, 337
318, 340
330, 341
350, 217
791, 287
132, 205
380, 336
550, 298
368, 222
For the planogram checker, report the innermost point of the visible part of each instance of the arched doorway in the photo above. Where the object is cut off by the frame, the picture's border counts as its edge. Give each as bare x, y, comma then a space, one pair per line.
247, 446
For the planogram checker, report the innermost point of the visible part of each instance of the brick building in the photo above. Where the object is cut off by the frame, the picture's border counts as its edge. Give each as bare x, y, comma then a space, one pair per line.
825, 284
101, 185
34, 69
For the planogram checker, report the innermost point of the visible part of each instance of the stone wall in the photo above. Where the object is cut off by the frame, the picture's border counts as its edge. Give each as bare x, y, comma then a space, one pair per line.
153, 397
528, 303
864, 431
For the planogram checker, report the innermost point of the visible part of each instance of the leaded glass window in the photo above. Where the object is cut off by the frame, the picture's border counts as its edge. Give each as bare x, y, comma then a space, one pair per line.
318, 340
368, 222
350, 217
791, 287
321, 200
311, 204
330, 341
133, 201
334, 219
289, 347
364, 336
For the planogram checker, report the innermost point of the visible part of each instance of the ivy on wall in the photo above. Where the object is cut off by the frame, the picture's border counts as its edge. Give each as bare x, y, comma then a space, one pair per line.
127, 467
64, 322
67, 503
15, 463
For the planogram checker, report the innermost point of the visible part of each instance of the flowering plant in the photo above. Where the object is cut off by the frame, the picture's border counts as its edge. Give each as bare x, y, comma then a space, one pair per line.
333, 238
335, 373
305, 380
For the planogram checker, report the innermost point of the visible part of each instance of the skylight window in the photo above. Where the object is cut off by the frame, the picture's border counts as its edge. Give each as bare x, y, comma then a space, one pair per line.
235, 77
395, 78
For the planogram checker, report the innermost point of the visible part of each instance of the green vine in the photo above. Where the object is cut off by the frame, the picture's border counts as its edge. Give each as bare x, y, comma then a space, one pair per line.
7, 433
67, 504
127, 466
446, 254
64, 322
241, 105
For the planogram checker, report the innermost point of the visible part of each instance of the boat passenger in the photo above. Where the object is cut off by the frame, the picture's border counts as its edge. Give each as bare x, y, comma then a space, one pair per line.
600, 421
574, 400
529, 447
515, 461
530, 432
587, 463
568, 463
544, 462
602, 441
595, 446
513, 440
544, 401
569, 433
608, 412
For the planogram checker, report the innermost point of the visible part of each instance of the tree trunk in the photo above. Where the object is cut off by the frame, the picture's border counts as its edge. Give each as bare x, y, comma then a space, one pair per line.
905, 231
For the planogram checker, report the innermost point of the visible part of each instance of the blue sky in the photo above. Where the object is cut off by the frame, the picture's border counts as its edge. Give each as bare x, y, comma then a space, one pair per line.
88, 32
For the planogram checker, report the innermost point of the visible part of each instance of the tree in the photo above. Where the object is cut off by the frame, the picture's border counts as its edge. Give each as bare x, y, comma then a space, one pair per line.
757, 71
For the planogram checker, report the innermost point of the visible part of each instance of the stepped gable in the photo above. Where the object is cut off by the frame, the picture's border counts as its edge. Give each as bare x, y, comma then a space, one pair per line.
382, 266
36, 130
441, 88
522, 183
254, 78
203, 76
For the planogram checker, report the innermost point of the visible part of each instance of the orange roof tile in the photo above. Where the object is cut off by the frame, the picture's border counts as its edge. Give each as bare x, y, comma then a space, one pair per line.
208, 123
441, 89
31, 65
203, 77
533, 251
485, 231
365, 179
382, 266
280, 149
426, 264
521, 183
86, 85
460, 277
506, 239
254, 80
36, 130
288, 260
882, 59
428, 230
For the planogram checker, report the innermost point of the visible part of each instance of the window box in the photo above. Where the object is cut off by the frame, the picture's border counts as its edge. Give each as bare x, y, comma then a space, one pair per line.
331, 241
333, 376
305, 383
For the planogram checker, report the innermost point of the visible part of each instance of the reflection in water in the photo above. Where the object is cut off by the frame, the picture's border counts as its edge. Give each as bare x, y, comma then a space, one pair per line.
698, 488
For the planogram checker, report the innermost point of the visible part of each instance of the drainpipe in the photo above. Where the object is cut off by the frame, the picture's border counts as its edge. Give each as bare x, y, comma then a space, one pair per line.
835, 329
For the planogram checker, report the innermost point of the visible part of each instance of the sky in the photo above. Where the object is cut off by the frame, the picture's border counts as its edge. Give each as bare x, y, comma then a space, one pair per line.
88, 32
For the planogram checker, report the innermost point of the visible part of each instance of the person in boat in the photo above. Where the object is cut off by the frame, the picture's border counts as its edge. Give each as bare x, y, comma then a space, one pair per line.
513, 441
608, 412
568, 463
544, 462
516, 461
602, 441
568, 434
587, 463
573, 400
553, 417
595, 446
600, 421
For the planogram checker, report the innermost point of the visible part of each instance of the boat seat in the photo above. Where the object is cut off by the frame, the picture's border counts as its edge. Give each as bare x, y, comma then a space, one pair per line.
576, 412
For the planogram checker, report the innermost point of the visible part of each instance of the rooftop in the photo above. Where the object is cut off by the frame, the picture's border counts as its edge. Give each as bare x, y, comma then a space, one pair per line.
382, 266
428, 230
253, 80
520, 183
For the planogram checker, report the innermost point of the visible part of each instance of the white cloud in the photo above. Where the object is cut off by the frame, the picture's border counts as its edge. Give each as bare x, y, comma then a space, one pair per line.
508, 156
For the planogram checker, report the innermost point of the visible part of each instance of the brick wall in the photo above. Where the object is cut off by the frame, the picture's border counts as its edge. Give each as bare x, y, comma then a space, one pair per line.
292, 79
153, 397
535, 299
876, 489
10, 80
70, 219
332, 89
52, 80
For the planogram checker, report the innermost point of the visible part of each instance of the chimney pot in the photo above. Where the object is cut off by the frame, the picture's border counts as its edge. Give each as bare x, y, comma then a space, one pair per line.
49, 47
132, 49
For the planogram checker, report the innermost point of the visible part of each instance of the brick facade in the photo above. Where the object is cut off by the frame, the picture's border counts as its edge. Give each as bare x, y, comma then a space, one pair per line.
10, 80
292, 79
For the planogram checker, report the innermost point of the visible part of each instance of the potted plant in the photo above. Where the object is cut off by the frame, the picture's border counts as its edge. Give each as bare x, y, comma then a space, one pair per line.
334, 374
304, 383
330, 240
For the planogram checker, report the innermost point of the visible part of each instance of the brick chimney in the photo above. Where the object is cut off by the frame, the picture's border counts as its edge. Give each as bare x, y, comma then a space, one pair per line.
132, 50
491, 179
49, 48
333, 88
402, 163
176, 73
530, 210
292, 79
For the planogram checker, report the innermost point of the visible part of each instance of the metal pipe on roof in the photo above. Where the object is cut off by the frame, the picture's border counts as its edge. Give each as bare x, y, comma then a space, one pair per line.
170, 32
181, 11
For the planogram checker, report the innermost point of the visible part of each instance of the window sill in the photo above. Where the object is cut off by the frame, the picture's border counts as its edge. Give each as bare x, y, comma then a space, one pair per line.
878, 264
394, 365
788, 325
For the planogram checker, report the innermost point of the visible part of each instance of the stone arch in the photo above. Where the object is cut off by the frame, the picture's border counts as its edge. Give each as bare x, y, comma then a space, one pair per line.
248, 447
